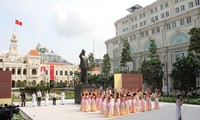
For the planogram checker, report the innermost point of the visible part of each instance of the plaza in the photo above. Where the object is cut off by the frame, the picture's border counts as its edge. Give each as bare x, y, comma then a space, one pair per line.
163, 25
72, 111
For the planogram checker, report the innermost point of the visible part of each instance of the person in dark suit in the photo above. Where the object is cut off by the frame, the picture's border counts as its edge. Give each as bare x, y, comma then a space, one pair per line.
84, 66
39, 95
23, 99
54, 98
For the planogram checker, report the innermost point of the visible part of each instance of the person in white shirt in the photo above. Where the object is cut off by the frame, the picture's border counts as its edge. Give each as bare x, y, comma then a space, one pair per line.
46, 98
63, 97
33, 99
179, 103
39, 95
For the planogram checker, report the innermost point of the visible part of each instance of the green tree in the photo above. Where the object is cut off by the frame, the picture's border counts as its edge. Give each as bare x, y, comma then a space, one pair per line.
152, 49
194, 46
152, 69
91, 61
42, 83
104, 79
187, 69
126, 54
184, 73
77, 74
106, 66
101, 80
152, 72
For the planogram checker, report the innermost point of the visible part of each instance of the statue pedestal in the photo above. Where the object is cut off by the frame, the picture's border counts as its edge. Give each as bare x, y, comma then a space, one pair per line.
78, 89
6, 87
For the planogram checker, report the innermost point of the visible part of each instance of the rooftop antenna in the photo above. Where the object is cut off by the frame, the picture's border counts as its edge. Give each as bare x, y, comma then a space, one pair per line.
94, 48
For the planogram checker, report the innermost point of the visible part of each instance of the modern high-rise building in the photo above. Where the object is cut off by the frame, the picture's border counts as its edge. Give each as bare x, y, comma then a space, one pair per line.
165, 21
36, 66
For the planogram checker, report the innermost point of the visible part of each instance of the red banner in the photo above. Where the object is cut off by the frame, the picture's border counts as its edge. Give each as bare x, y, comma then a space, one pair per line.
51, 72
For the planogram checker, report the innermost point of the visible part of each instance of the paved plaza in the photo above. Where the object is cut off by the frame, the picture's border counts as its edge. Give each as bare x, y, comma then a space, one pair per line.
70, 111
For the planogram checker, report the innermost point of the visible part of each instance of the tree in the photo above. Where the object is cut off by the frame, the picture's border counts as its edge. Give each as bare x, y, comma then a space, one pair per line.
126, 54
194, 46
42, 83
152, 49
152, 72
101, 80
91, 61
187, 69
152, 69
106, 66
184, 73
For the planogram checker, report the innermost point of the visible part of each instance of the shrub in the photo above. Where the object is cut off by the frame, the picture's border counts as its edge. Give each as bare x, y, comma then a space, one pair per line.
187, 100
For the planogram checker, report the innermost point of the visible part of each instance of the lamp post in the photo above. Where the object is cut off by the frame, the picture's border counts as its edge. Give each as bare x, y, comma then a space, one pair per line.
47, 82
57, 82
167, 78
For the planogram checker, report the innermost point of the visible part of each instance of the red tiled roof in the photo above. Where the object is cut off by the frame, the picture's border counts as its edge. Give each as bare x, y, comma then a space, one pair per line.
96, 68
33, 53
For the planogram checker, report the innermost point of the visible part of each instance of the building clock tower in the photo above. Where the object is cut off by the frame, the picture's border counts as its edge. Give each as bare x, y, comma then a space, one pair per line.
13, 54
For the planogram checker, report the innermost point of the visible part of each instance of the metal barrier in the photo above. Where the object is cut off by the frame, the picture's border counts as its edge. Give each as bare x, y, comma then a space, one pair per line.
24, 115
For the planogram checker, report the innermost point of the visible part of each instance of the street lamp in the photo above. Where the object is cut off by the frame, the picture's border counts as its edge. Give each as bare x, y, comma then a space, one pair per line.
47, 82
57, 82
167, 78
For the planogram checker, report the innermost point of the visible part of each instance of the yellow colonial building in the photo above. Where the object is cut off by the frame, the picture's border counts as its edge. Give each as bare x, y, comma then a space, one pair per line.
32, 68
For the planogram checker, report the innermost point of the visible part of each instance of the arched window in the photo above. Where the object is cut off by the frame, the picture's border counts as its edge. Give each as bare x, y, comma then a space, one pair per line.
179, 37
33, 71
24, 72
133, 49
7, 69
33, 82
19, 71
148, 43
13, 83
61, 72
13, 71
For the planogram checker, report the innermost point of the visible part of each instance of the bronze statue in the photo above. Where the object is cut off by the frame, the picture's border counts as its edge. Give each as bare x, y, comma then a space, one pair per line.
84, 66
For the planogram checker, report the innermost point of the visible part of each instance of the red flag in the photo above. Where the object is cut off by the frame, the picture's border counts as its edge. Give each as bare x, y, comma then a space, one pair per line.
51, 72
18, 22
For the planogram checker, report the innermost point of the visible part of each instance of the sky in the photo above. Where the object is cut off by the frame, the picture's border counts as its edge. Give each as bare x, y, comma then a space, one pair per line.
64, 26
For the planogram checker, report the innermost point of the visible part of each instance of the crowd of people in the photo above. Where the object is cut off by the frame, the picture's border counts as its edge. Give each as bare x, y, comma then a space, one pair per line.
119, 102
47, 96
37, 98
108, 103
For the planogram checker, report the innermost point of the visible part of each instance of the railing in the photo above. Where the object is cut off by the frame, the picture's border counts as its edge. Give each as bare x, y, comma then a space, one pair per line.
24, 115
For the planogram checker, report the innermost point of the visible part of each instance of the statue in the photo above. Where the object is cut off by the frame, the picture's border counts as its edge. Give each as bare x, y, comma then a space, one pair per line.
84, 66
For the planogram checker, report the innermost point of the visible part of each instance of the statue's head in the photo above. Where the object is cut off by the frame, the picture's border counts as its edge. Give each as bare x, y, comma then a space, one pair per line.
83, 52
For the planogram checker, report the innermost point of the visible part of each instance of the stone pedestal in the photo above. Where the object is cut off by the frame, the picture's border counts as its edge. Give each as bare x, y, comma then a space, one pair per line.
78, 89
128, 81
5, 87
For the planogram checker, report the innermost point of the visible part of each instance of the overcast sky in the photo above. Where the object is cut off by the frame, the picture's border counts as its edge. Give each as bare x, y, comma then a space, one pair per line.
64, 26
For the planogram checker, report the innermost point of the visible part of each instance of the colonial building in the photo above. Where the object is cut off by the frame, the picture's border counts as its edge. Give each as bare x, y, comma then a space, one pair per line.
32, 68
165, 21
